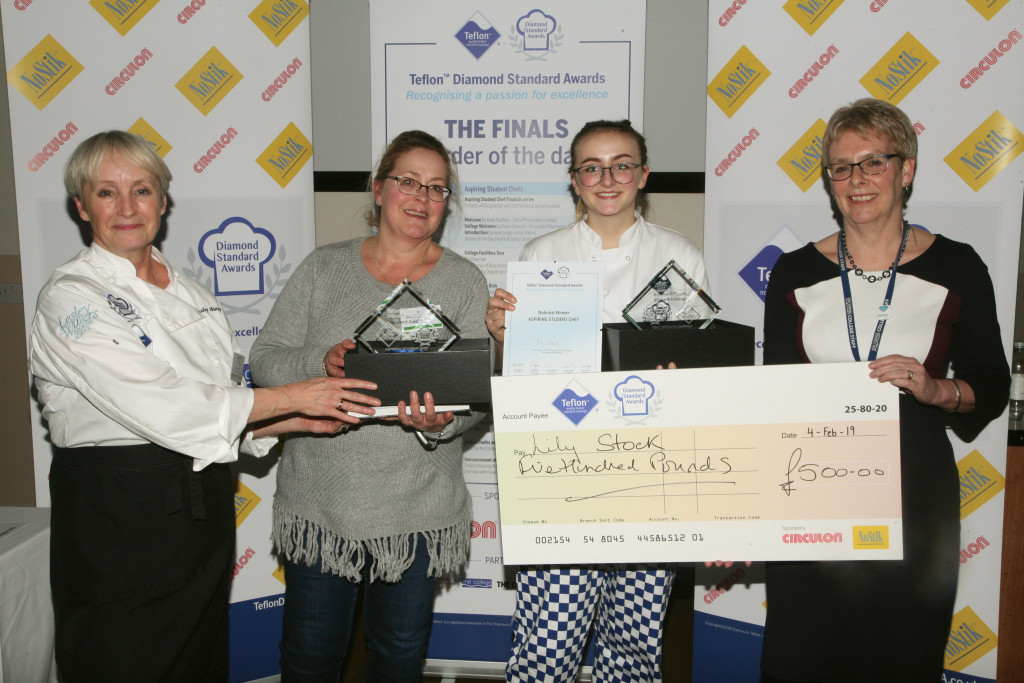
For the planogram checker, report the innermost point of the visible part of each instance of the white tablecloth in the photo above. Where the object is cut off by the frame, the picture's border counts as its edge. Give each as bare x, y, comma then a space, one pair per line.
26, 612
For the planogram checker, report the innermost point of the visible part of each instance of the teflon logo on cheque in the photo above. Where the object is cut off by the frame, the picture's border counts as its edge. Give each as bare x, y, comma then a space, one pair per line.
536, 34
477, 35
575, 402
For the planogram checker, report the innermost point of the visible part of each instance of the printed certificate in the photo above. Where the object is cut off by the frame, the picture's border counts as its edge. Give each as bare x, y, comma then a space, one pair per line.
782, 462
556, 327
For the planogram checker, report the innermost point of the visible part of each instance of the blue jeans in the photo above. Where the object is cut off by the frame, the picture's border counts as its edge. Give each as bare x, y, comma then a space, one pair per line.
319, 611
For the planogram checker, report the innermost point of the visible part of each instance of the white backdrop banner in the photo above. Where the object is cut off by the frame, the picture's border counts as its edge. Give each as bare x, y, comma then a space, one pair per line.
222, 92
776, 72
505, 86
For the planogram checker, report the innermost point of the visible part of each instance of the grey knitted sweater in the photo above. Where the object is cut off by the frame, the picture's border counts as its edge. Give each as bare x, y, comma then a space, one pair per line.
363, 493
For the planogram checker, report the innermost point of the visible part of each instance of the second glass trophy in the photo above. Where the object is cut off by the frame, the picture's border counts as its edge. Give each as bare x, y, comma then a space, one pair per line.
672, 296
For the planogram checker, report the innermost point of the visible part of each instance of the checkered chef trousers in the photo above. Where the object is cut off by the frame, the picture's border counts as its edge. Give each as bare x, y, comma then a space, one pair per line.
554, 609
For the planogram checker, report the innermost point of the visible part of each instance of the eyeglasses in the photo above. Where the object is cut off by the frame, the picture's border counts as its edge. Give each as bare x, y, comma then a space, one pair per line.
591, 174
411, 186
873, 165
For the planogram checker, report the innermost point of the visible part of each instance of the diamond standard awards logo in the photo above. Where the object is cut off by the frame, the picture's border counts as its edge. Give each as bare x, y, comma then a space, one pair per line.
536, 35
575, 402
477, 35
237, 251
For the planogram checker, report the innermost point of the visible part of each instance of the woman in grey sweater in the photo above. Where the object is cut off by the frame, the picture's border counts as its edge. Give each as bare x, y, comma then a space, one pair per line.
379, 504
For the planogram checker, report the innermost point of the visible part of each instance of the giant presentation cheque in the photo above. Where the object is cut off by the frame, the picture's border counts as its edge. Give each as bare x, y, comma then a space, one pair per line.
782, 462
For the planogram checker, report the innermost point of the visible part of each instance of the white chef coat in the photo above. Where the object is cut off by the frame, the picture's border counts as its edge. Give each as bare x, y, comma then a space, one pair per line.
101, 384
643, 250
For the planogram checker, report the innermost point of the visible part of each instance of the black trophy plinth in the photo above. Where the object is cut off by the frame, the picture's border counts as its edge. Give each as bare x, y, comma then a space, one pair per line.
720, 344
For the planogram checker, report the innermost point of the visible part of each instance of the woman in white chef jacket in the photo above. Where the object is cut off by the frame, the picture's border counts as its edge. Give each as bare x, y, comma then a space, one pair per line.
555, 606
139, 379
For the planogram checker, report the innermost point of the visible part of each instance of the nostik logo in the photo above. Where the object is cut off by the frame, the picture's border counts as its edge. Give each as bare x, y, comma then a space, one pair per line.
900, 70
811, 14
209, 81
986, 151
988, 8
285, 156
970, 639
536, 34
758, 270
142, 128
575, 402
802, 161
237, 250
245, 502
123, 14
979, 482
740, 78
278, 18
42, 73
477, 35
870, 538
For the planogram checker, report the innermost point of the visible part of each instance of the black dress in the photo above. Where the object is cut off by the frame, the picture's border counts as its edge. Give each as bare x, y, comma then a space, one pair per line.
885, 620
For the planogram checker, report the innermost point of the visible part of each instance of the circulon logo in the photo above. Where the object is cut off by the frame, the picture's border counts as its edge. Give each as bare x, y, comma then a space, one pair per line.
483, 530
813, 538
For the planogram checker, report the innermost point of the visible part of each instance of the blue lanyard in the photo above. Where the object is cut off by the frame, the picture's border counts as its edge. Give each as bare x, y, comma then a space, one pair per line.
844, 274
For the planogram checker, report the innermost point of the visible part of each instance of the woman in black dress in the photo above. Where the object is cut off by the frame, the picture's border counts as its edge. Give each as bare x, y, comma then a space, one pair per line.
921, 304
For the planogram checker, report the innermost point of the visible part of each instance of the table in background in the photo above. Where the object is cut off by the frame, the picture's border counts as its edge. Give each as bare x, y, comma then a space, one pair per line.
26, 611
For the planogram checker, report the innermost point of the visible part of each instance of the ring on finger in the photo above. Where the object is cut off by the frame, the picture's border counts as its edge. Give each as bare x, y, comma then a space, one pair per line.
910, 375
340, 404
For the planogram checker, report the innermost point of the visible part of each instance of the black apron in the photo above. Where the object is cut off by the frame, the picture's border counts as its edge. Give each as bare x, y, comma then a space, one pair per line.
140, 565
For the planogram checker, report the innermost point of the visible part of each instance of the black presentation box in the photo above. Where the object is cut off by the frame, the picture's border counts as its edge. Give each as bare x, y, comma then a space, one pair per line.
458, 375
721, 344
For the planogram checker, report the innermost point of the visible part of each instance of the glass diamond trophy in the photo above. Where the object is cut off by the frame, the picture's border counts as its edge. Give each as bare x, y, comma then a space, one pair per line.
406, 322
671, 297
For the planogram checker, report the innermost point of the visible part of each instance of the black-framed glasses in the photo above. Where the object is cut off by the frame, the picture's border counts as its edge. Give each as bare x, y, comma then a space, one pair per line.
873, 165
591, 174
411, 186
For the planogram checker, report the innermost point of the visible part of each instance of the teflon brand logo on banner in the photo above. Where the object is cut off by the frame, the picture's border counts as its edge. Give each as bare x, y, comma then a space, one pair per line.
277, 19
988, 8
42, 73
737, 81
149, 134
979, 482
986, 151
286, 155
123, 15
970, 639
811, 14
802, 161
245, 502
209, 81
900, 70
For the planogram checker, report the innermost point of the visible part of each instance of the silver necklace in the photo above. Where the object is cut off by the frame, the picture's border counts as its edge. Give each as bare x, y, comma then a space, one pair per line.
885, 273
373, 255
